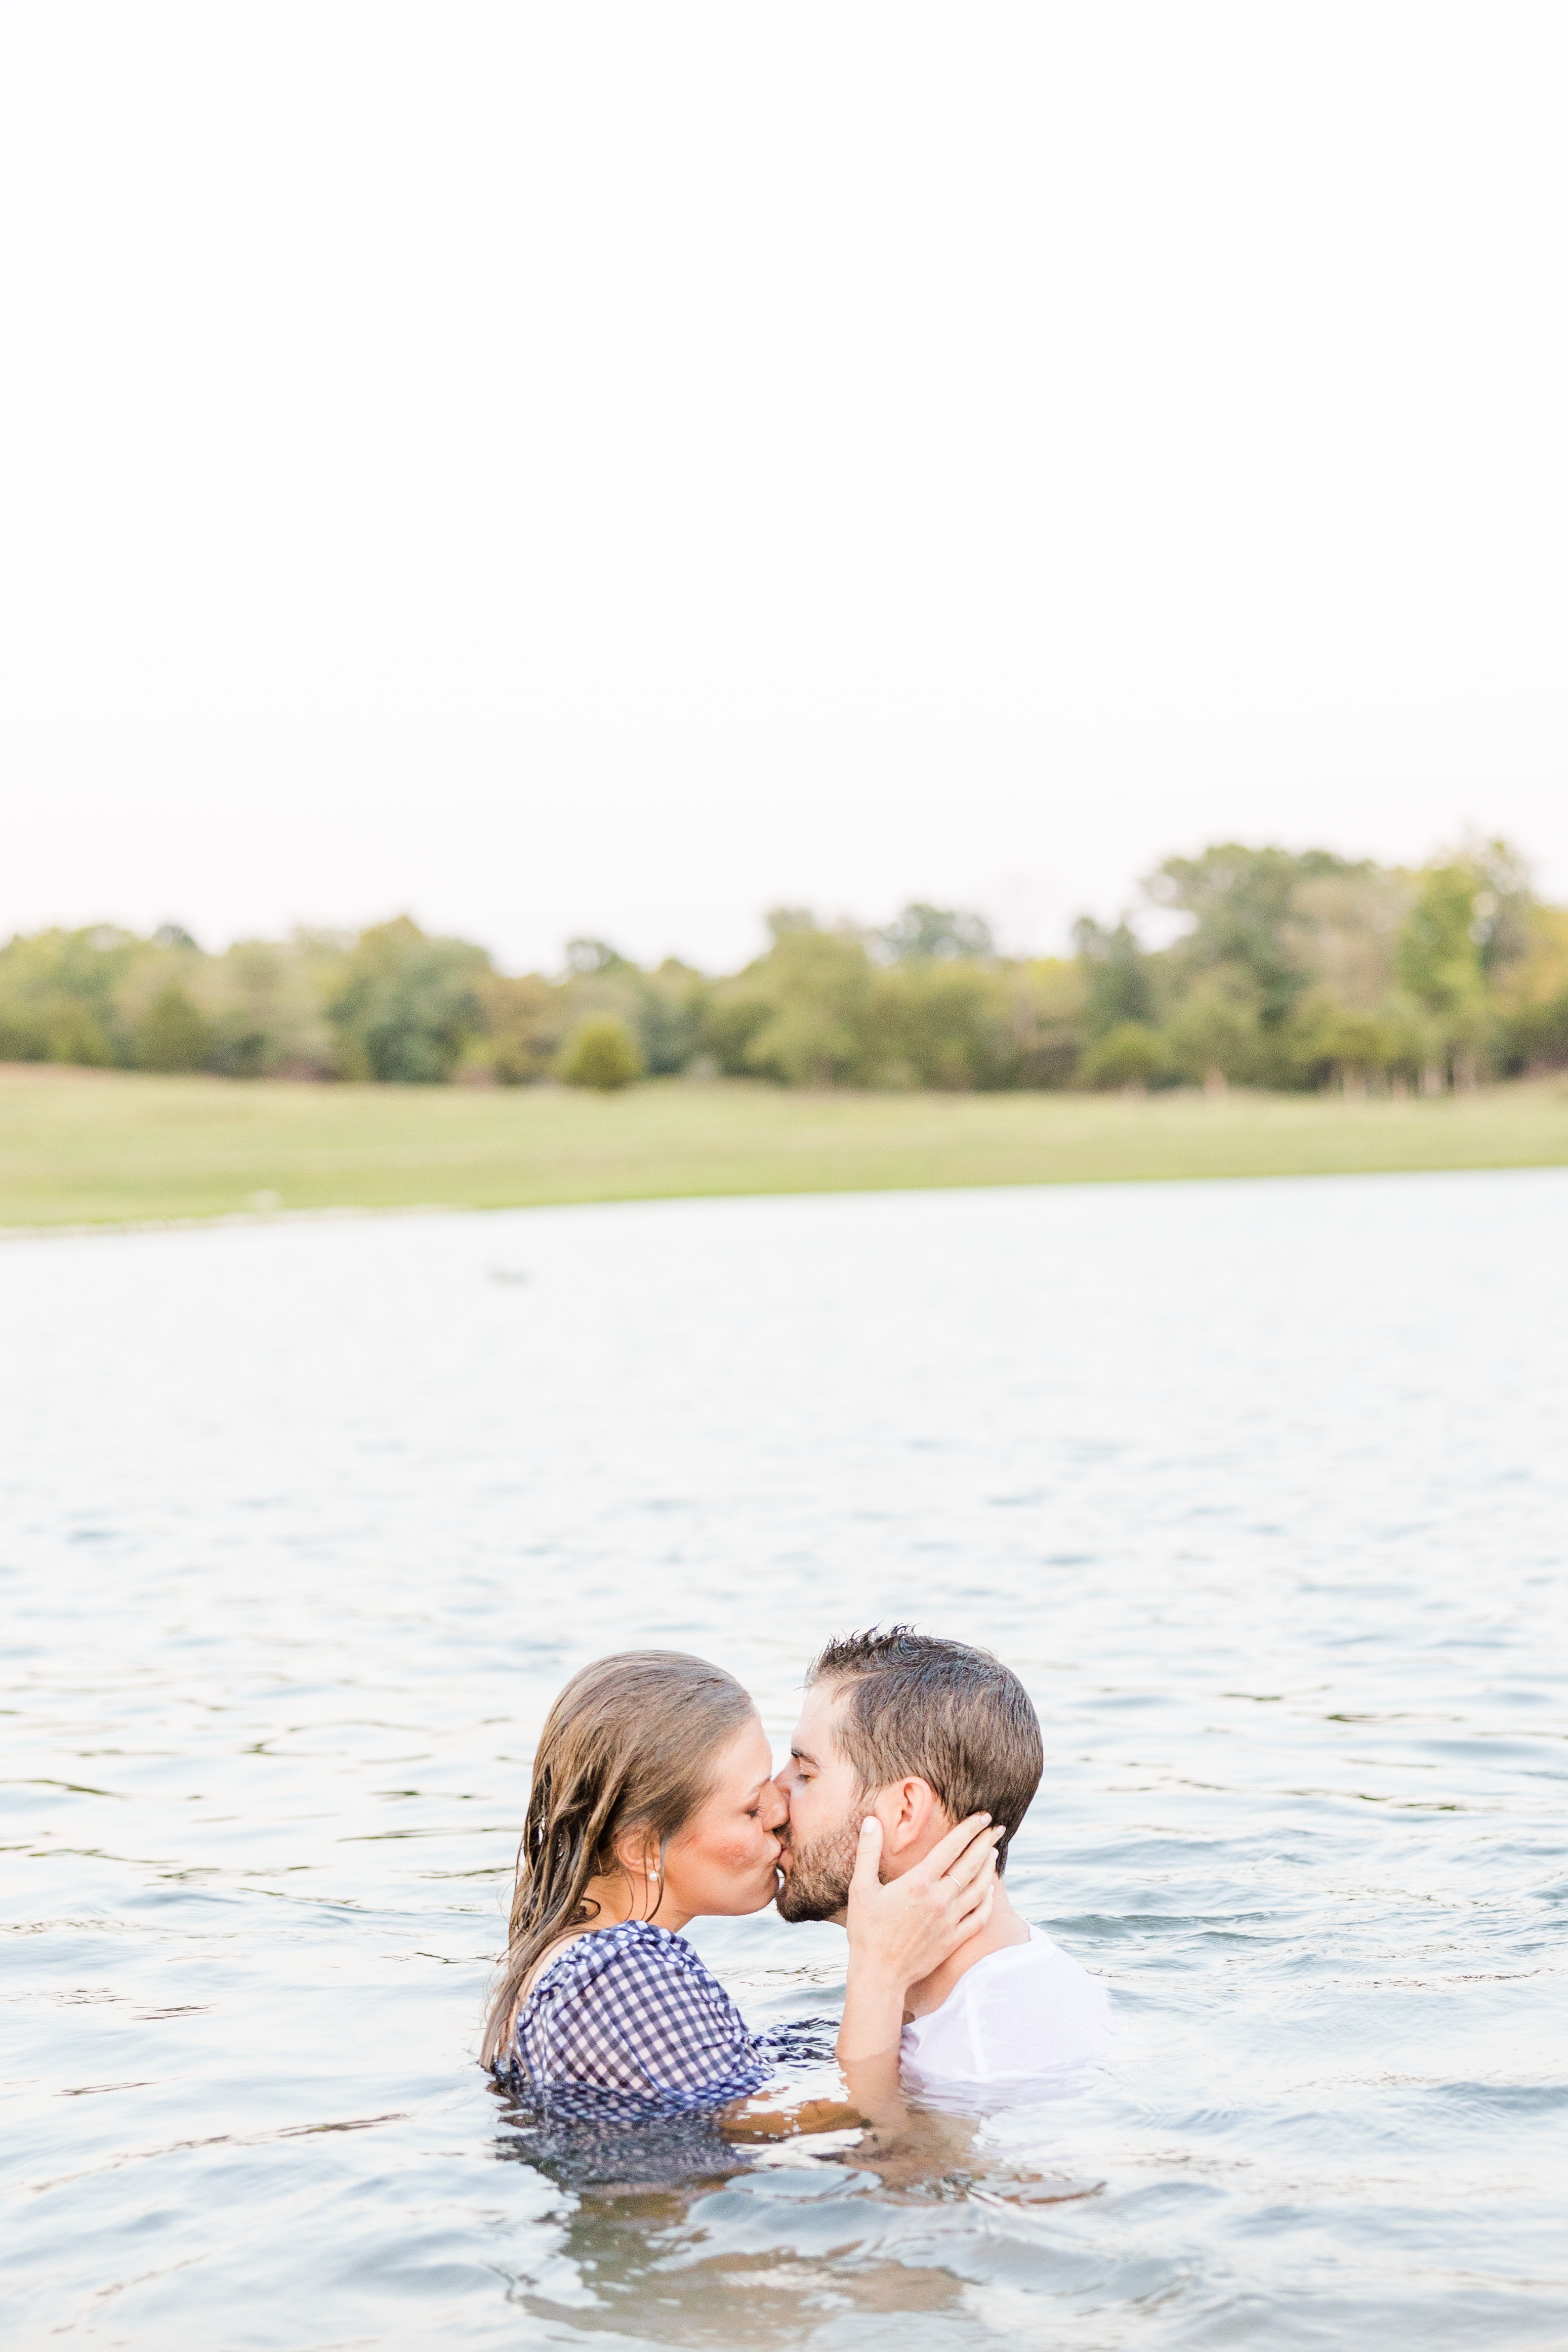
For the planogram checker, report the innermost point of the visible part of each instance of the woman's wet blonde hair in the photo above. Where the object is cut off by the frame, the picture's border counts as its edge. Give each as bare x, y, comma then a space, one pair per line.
632, 1745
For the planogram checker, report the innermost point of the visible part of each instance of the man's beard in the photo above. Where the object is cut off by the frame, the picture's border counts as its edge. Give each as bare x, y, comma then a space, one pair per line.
816, 1883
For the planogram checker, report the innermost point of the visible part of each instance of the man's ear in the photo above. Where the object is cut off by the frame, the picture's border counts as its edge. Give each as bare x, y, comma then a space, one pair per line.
912, 1812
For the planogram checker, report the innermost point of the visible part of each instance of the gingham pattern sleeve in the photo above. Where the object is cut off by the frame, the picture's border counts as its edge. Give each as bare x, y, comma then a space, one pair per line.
631, 2013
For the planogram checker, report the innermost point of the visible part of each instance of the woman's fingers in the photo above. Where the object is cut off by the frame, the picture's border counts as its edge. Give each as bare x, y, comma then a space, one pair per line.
915, 1921
942, 1855
966, 1894
867, 1857
975, 1898
979, 1856
971, 1871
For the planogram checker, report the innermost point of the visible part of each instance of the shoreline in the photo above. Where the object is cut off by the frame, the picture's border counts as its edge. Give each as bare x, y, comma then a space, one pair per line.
223, 1221
116, 1151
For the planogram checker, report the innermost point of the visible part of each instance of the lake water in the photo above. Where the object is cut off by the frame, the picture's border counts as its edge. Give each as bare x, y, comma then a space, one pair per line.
1261, 1487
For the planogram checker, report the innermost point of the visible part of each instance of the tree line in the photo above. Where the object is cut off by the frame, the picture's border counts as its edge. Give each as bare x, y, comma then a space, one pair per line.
1287, 969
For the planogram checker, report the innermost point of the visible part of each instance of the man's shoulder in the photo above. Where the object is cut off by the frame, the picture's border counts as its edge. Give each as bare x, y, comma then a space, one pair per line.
1026, 2013
1030, 1978
1032, 1957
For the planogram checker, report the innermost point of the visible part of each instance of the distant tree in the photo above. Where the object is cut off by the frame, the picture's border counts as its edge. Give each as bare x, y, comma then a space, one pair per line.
1046, 998
1504, 905
1290, 969
524, 1024
1213, 1034
603, 1054
1359, 1047
936, 934
59, 996
668, 1009
736, 1013
1535, 1036
818, 989
1131, 1054
1341, 930
944, 1023
1531, 994
1470, 919
1246, 915
406, 1005
1438, 953
74, 1032
664, 1010
587, 955
1333, 1041
263, 1001
172, 1034
1117, 984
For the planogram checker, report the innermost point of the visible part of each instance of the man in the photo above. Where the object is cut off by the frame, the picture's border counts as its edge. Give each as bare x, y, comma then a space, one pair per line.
903, 1737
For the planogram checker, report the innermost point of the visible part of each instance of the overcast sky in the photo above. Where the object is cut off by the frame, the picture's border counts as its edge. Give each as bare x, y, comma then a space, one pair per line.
609, 468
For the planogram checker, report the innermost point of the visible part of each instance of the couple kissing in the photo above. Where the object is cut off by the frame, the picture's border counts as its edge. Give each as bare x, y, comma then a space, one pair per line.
654, 1802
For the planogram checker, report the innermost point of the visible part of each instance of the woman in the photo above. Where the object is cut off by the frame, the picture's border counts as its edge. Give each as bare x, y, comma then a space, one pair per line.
652, 1804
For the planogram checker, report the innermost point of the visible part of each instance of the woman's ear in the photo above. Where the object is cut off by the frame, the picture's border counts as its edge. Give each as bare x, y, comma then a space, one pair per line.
637, 1854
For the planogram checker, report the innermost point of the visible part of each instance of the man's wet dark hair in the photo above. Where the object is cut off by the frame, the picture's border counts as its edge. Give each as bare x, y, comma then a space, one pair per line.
954, 1716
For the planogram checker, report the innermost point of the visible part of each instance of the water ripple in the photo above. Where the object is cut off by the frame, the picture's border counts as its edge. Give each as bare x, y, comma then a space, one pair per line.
1261, 1487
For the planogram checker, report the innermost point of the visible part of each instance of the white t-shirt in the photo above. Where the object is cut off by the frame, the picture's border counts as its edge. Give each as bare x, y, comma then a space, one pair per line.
1022, 2017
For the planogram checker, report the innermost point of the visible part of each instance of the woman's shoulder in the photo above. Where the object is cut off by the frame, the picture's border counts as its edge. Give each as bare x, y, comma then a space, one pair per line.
634, 1947
631, 2010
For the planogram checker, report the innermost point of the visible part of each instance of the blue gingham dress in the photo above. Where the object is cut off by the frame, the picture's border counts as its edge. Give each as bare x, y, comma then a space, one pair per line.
627, 2022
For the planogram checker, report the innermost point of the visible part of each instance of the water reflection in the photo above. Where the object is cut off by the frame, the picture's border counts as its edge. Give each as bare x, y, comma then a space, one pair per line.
686, 2231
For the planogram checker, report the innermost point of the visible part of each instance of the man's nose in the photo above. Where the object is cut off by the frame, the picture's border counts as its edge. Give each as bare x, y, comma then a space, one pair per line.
776, 1802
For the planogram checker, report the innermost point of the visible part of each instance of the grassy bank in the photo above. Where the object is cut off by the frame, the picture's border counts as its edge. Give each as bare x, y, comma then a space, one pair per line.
80, 1147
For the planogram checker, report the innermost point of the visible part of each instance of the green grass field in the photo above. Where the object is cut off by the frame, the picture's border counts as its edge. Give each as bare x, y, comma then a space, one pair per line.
88, 1147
